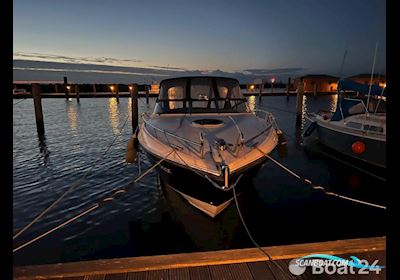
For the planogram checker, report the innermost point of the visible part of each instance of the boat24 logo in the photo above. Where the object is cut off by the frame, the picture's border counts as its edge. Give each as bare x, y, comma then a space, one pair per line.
329, 264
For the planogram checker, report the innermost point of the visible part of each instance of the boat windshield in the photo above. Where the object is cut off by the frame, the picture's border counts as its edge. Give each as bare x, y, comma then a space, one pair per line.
200, 95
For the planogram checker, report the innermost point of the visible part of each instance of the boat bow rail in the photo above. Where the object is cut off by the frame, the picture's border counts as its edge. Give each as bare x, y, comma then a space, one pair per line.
167, 133
216, 147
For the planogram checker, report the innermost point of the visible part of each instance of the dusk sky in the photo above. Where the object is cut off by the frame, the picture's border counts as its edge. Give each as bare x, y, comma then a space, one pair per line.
157, 39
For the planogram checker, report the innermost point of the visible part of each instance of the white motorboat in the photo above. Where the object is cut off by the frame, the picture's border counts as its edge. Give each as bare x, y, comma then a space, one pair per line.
209, 138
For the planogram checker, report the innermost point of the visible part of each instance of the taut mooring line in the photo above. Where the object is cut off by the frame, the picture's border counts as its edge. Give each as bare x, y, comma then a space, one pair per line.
70, 189
91, 209
317, 187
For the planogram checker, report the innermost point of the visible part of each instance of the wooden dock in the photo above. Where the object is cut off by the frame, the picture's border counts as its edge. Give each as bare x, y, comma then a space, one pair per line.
226, 264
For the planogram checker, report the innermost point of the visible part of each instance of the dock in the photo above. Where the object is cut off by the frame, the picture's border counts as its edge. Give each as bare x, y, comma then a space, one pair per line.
249, 263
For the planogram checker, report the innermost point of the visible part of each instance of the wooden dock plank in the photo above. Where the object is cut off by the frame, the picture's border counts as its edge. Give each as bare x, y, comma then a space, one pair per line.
240, 271
158, 275
221, 272
260, 270
124, 265
140, 275
116, 276
179, 273
200, 273
95, 277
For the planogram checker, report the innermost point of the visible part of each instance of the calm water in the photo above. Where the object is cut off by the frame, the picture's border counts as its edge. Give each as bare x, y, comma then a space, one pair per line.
149, 219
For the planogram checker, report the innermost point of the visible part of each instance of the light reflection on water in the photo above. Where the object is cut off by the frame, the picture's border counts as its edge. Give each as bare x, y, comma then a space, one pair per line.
252, 102
113, 112
72, 117
76, 134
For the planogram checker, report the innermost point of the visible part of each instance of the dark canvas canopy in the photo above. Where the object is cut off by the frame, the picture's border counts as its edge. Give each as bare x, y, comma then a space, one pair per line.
376, 90
343, 108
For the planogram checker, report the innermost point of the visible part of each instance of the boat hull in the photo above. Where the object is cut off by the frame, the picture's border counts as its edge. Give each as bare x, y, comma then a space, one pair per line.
375, 150
199, 191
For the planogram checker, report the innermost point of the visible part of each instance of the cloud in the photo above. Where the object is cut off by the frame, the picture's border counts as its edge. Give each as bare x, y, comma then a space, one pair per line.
96, 73
70, 59
274, 71
87, 71
168, 68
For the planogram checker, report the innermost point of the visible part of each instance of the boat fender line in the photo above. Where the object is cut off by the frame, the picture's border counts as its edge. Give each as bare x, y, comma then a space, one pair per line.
318, 187
310, 129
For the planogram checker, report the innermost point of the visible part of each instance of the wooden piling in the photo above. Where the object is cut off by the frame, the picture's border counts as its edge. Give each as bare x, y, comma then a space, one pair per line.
315, 89
133, 89
77, 92
94, 88
147, 94
117, 92
67, 91
288, 87
37, 101
299, 105
56, 88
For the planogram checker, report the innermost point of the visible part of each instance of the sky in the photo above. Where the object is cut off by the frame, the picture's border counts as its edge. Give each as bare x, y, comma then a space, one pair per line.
140, 41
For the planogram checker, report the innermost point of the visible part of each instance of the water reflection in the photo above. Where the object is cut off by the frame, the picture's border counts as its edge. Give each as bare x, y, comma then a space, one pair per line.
43, 149
205, 233
113, 113
304, 112
252, 102
72, 118
333, 102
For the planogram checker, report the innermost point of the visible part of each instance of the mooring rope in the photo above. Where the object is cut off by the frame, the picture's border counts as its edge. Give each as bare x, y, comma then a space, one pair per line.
70, 189
251, 237
240, 216
94, 207
317, 187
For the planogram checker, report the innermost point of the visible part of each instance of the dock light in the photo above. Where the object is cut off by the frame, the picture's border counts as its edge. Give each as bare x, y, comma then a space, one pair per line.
68, 87
112, 88
273, 80
130, 87
358, 147
252, 87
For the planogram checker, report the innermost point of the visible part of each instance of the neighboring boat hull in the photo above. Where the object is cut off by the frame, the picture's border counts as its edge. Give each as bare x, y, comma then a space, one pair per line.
375, 151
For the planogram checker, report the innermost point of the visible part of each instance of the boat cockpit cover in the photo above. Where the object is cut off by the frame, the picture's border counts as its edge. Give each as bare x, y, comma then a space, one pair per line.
347, 107
376, 90
200, 95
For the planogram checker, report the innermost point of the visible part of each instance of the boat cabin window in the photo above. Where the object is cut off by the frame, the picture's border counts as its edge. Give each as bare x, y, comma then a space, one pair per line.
175, 93
200, 95
354, 125
373, 128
